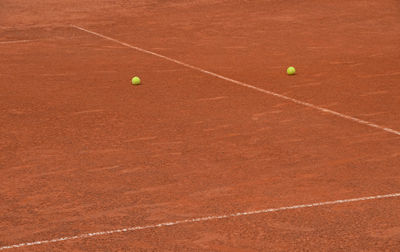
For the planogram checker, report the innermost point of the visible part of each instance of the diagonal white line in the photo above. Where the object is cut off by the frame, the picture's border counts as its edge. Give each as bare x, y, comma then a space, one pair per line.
15, 41
328, 111
202, 219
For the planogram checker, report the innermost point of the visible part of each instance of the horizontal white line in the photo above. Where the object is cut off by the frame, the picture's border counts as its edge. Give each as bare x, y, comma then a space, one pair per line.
328, 111
164, 224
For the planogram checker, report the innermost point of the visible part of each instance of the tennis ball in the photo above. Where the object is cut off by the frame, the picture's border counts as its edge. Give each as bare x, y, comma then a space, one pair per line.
135, 80
291, 70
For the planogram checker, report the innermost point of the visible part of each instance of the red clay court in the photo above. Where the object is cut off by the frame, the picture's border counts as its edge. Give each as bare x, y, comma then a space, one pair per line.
218, 149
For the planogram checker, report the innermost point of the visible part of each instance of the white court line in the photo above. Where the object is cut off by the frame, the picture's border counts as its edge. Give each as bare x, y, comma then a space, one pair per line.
124, 230
360, 121
15, 41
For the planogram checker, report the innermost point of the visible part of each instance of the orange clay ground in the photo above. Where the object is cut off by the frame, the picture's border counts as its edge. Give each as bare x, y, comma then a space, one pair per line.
84, 151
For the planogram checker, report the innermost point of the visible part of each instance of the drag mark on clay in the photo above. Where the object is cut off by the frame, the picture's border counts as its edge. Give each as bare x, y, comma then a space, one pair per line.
224, 126
140, 139
89, 111
105, 168
380, 75
168, 143
212, 98
375, 93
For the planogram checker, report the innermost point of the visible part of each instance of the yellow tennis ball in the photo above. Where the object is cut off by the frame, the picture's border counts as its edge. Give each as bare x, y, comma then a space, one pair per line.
135, 80
291, 70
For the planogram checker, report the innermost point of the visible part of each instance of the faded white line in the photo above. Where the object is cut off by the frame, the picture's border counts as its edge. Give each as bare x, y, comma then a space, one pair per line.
202, 219
328, 111
15, 41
